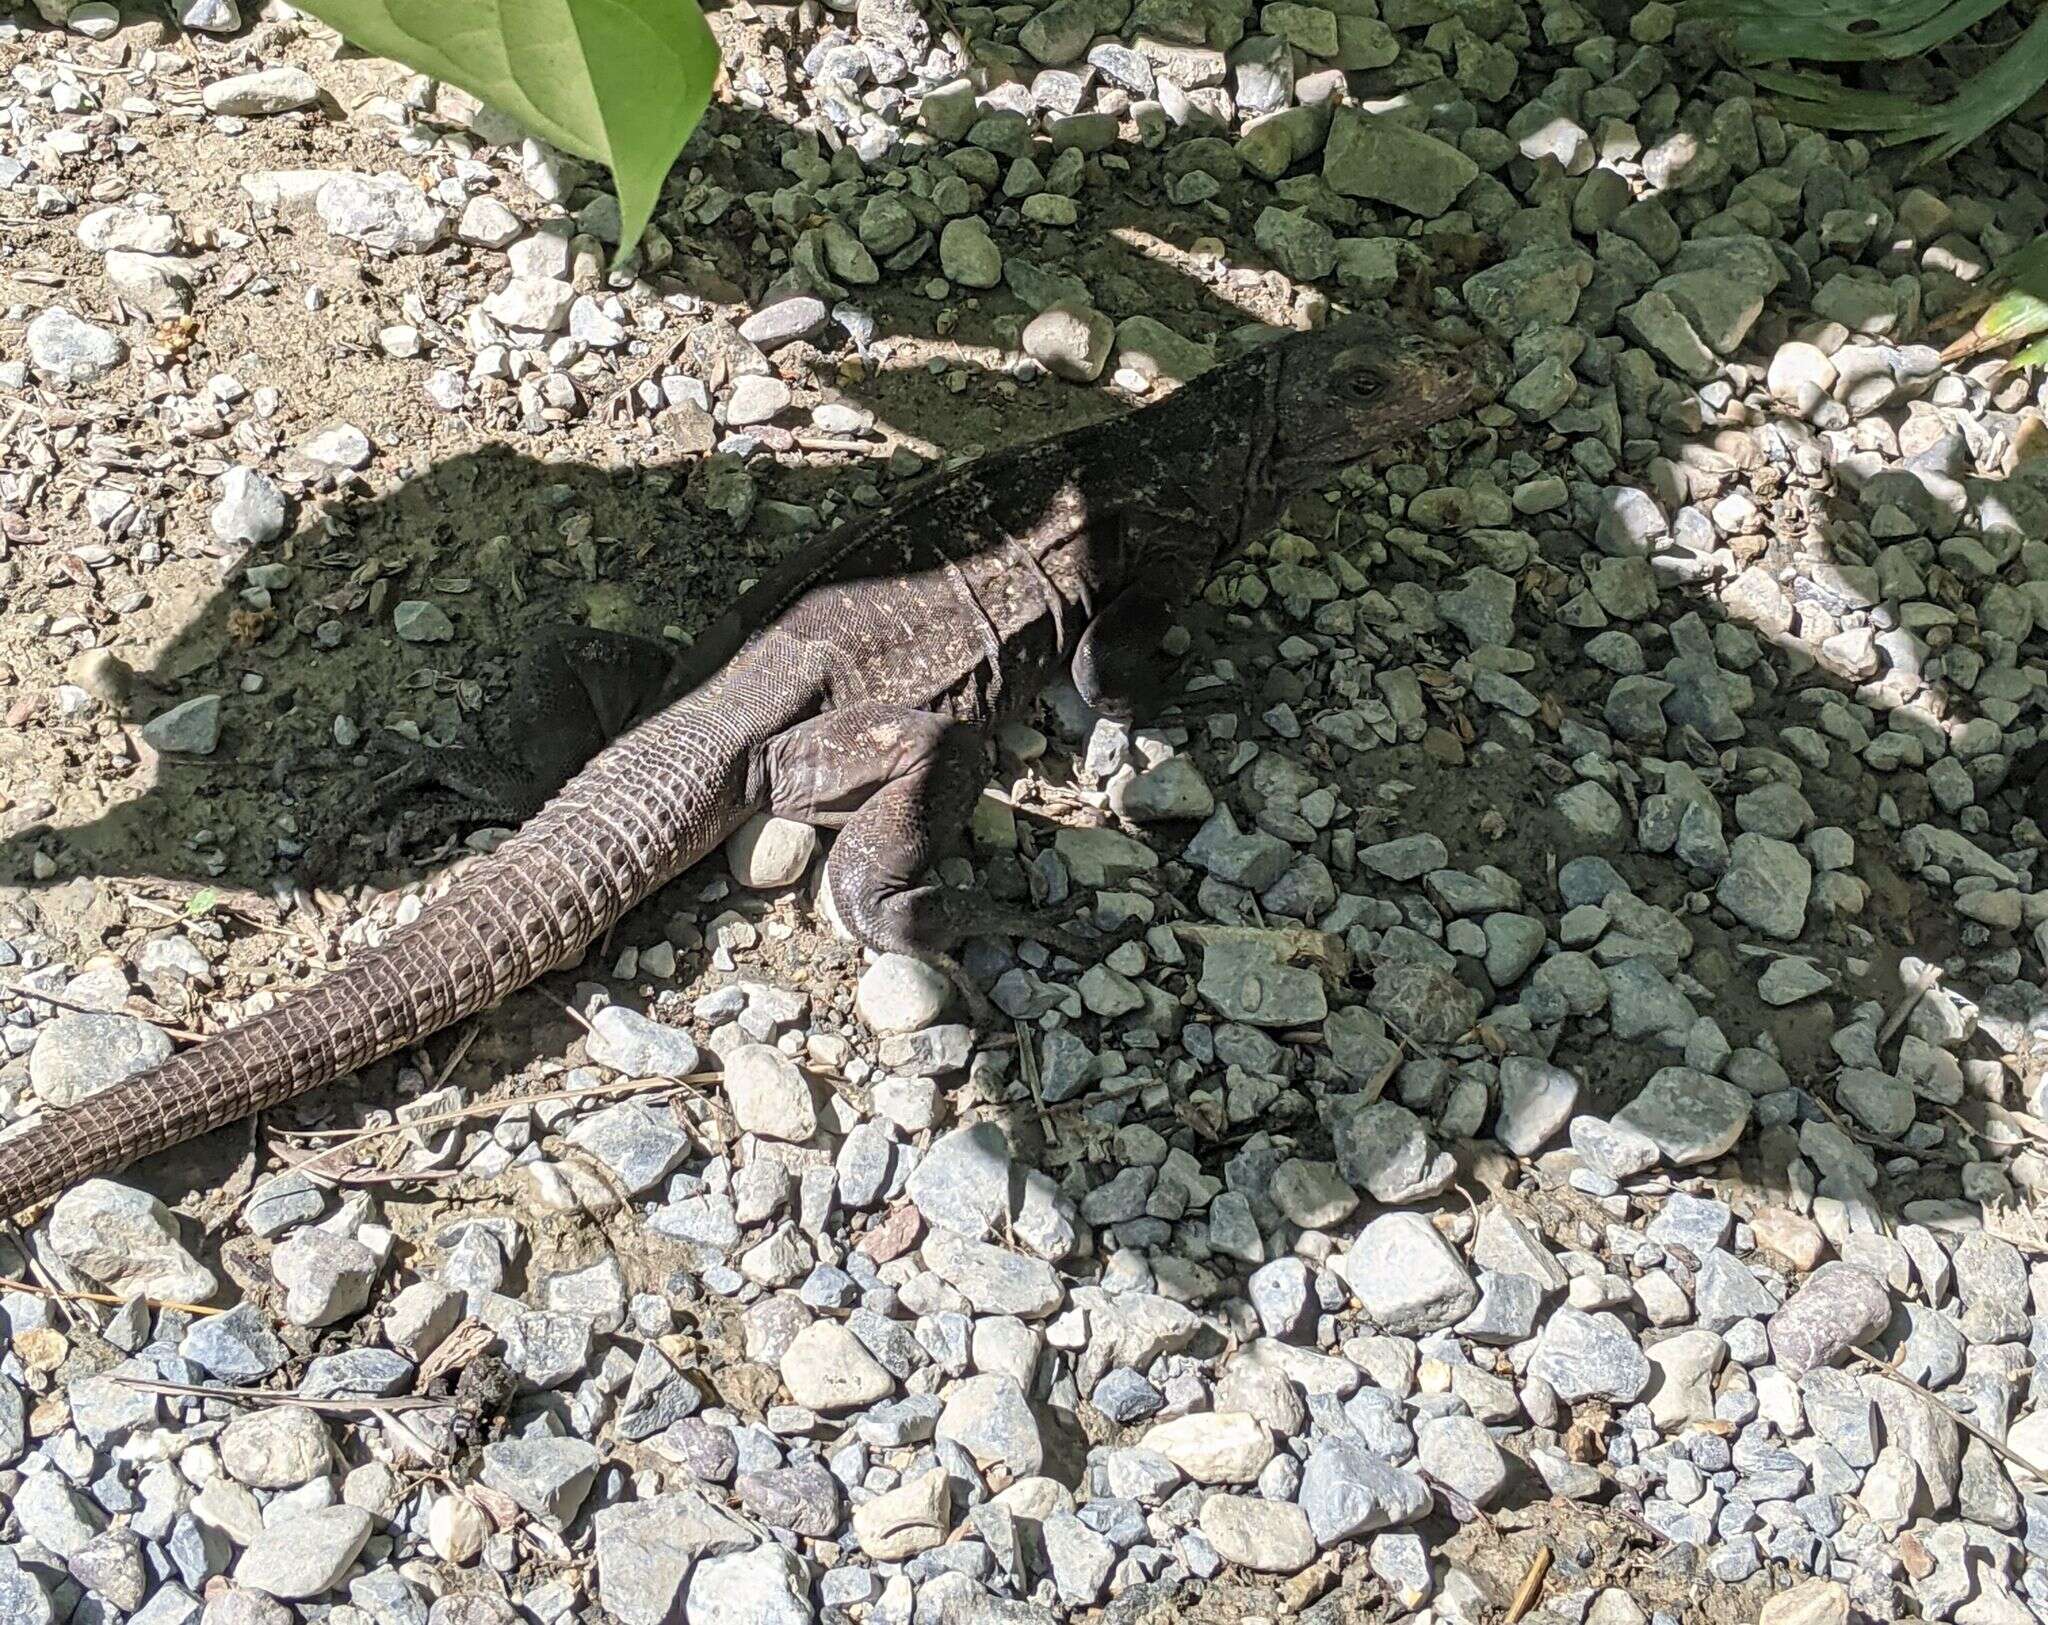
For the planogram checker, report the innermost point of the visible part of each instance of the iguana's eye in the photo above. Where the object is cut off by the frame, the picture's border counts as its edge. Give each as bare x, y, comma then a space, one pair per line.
1363, 386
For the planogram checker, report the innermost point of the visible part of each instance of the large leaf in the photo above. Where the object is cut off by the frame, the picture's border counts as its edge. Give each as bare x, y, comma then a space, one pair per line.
621, 82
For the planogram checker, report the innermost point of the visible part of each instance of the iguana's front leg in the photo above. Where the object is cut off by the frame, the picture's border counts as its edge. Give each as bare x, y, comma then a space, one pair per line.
1117, 665
899, 786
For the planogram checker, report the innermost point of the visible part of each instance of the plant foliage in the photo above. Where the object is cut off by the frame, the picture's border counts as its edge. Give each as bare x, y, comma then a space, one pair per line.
2018, 314
1771, 31
620, 82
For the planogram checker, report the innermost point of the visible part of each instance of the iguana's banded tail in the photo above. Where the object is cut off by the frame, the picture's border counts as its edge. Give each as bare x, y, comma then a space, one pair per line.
641, 812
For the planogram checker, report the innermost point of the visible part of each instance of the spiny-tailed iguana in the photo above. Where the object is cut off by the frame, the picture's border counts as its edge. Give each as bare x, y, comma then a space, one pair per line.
854, 688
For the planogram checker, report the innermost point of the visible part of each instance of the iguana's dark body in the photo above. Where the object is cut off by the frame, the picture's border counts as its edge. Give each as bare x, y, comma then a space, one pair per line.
852, 688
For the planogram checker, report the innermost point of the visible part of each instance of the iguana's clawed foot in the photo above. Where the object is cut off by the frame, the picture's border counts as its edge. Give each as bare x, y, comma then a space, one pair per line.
981, 1012
427, 794
980, 917
972, 916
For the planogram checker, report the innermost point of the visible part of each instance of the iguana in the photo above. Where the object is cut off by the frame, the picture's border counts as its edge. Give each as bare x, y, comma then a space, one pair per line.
854, 688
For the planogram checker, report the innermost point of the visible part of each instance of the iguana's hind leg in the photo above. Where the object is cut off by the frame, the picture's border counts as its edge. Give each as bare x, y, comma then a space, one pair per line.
899, 786
574, 690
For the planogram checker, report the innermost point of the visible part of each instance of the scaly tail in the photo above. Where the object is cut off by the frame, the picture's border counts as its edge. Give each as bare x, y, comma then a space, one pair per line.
644, 809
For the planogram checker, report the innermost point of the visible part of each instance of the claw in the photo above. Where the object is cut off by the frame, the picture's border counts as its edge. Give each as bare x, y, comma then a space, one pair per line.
980, 1012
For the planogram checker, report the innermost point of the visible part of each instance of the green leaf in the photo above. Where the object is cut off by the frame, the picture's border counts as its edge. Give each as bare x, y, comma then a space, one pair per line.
1843, 30
2012, 316
2034, 355
620, 82
201, 903
2011, 81
2014, 76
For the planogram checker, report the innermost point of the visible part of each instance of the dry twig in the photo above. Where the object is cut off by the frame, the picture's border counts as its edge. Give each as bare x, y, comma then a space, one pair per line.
1998, 1447
1531, 1588
263, 1396
9, 1284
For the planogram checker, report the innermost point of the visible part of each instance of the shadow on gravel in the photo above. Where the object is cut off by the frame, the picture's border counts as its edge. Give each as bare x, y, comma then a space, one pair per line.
503, 541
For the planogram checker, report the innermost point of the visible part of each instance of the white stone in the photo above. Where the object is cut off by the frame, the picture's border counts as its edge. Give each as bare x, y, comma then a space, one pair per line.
826, 1369
767, 853
1214, 1447
769, 1095
899, 994
268, 90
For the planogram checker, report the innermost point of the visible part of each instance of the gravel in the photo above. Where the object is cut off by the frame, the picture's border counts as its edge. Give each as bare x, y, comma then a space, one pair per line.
1505, 1089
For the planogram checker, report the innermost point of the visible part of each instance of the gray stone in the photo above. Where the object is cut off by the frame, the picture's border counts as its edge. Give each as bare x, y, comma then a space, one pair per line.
1458, 1452
81, 1053
768, 1094
646, 1549
1244, 979
1166, 792
1586, 1356
55, 1516
1408, 1277
189, 728
1767, 885
1299, 244
767, 1585
990, 1417
112, 1568
902, 1522
250, 511
1688, 1115
800, 316
639, 1145
326, 1277
546, 1477
1266, 1537
1721, 283
1382, 1147
968, 255
302, 1555
1536, 1103
1079, 1558
1991, 1279
384, 212
237, 1347
994, 1280
281, 89
638, 1046
126, 1240
66, 349
275, 1449
1071, 342
1411, 856
1347, 1491
1370, 156
899, 994
416, 620
962, 1182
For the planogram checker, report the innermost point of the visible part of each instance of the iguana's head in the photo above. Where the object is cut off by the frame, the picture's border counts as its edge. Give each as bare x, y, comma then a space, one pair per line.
1361, 383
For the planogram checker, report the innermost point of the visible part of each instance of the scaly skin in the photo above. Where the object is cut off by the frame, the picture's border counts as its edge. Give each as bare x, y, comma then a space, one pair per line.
854, 688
